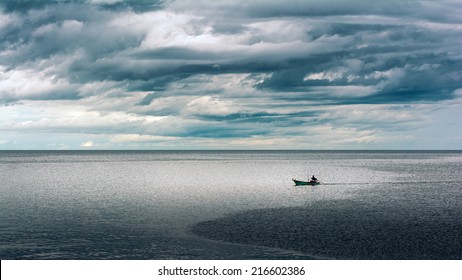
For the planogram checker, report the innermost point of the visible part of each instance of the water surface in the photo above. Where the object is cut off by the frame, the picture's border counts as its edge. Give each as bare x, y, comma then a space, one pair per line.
159, 204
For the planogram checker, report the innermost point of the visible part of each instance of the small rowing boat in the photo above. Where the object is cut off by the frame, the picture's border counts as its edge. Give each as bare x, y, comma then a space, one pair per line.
305, 183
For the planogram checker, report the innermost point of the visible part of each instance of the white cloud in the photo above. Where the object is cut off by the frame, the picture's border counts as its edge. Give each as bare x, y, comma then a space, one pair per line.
88, 144
380, 117
329, 75
31, 84
122, 138
166, 29
209, 105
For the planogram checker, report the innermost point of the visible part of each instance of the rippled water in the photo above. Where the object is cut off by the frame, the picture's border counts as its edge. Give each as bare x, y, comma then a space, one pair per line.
144, 205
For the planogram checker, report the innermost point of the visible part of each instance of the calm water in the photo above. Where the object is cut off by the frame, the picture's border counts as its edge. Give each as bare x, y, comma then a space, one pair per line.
161, 205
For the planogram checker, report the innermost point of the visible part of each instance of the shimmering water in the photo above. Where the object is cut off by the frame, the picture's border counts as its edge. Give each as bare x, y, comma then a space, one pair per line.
160, 205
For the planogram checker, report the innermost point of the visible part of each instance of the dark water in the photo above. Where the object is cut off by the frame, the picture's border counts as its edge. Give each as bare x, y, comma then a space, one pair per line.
160, 205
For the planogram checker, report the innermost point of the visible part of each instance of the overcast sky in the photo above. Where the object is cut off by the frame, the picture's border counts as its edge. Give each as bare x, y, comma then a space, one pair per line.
110, 74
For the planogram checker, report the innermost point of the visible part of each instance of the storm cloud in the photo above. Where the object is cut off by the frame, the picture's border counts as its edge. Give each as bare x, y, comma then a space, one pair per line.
230, 74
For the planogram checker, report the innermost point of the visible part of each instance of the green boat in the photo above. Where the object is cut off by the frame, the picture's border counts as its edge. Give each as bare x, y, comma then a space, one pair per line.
305, 183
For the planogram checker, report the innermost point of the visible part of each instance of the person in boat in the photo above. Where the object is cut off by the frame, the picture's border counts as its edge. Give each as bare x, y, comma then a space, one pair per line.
313, 179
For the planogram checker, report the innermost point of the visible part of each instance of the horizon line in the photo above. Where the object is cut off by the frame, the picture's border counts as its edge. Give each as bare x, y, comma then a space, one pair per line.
230, 150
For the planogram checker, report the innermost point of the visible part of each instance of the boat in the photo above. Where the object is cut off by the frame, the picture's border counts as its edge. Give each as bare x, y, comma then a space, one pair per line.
305, 183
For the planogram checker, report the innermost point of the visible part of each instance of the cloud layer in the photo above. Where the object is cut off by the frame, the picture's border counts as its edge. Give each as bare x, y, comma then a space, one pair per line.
230, 74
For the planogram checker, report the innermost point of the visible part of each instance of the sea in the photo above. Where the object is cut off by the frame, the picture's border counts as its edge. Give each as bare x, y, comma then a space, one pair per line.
202, 205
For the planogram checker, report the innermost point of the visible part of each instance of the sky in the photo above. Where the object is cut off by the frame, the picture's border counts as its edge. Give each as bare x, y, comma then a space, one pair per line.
328, 74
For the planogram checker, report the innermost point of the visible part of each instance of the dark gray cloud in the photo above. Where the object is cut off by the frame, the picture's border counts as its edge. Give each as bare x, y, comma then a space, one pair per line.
27, 5
217, 131
63, 30
438, 11
108, 51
